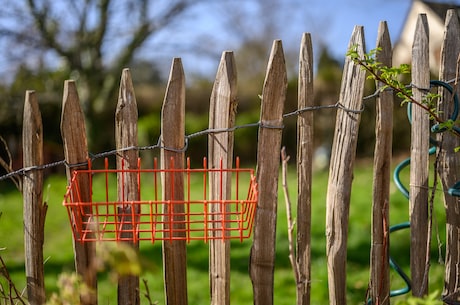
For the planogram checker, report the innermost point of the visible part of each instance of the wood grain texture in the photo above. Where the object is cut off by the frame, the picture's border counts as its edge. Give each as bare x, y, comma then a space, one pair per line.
304, 169
419, 169
262, 258
449, 161
380, 268
34, 210
173, 141
222, 112
341, 171
73, 132
127, 183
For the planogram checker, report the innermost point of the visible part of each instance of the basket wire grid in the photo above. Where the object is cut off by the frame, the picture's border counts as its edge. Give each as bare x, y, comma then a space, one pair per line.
193, 216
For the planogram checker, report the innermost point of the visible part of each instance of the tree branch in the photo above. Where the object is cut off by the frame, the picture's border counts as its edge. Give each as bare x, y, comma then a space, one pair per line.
103, 22
48, 35
146, 28
377, 77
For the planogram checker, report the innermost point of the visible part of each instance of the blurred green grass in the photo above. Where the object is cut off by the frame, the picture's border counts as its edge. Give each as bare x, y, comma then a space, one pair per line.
59, 257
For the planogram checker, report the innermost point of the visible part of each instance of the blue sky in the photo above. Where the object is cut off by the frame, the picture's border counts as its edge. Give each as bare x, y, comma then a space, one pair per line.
330, 22
344, 15
213, 26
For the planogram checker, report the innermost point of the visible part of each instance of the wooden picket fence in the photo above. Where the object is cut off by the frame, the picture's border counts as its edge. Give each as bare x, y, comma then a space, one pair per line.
223, 104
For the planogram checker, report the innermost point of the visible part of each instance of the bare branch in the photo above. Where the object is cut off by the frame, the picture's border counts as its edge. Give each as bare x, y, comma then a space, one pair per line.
14, 296
147, 293
290, 221
146, 28
8, 165
47, 33
103, 22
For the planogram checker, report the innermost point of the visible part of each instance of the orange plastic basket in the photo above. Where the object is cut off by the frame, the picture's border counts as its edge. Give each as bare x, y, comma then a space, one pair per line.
149, 217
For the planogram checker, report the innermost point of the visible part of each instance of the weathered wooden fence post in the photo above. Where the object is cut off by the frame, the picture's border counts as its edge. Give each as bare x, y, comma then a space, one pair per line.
222, 112
380, 269
419, 169
262, 258
449, 163
304, 169
341, 171
73, 133
173, 141
127, 184
34, 210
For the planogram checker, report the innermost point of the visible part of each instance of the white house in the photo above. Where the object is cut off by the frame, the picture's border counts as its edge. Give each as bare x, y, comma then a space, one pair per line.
436, 14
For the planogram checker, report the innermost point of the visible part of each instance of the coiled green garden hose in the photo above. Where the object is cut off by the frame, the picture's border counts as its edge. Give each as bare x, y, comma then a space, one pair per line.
454, 190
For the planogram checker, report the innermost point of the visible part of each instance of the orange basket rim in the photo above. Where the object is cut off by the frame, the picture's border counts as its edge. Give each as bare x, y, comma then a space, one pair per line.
235, 219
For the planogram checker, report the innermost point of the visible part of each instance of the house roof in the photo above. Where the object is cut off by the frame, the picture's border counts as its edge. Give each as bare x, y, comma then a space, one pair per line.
441, 8
436, 13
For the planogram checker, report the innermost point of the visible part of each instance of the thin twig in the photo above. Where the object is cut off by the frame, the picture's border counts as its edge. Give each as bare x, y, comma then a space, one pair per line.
12, 288
8, 166
377, 77
290, 221
430, 219
147, 293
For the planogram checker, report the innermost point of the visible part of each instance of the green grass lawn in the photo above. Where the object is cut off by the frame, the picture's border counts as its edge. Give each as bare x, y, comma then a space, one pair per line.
59, 257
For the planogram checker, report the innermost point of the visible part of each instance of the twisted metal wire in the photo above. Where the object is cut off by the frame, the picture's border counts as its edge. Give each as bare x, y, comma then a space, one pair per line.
337, 105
